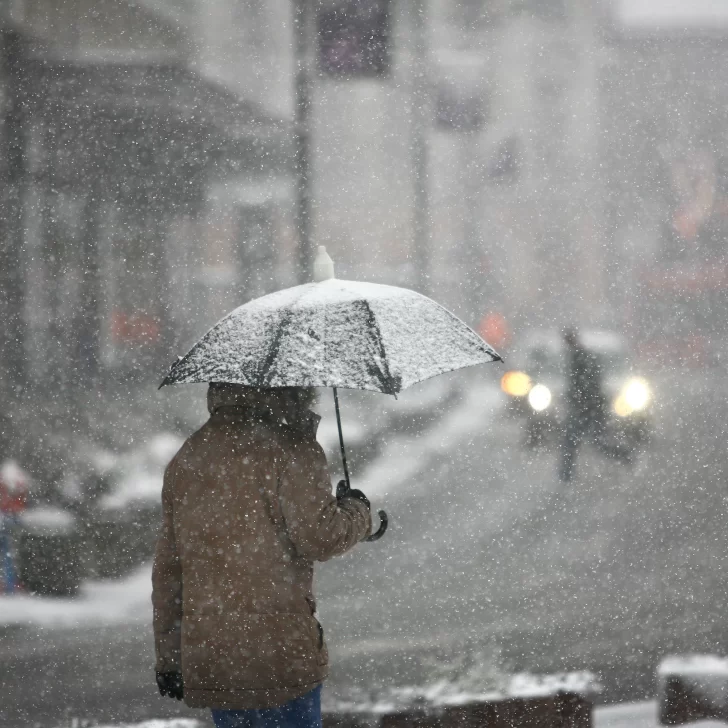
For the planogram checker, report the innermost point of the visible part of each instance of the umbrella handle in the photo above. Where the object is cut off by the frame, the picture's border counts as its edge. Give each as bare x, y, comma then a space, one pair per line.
383, 523
341, 439
383, 519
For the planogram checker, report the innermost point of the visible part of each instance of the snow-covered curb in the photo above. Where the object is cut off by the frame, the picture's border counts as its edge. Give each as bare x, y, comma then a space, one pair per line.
100, 603
139, 473
447, 693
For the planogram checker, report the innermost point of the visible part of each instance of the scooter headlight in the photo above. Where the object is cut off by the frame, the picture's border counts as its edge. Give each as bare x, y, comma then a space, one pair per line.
634, 397
539, 397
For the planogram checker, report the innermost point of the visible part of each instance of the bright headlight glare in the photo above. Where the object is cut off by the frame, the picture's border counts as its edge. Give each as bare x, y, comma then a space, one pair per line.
637, 394
539, 397
517, 384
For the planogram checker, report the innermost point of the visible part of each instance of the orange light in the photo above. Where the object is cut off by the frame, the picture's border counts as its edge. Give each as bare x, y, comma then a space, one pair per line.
516, 384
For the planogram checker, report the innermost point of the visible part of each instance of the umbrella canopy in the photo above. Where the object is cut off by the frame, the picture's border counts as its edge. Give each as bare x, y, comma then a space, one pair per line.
335, 333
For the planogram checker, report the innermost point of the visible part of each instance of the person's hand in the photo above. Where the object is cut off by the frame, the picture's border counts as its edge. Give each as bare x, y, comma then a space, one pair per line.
170, 683
344, 491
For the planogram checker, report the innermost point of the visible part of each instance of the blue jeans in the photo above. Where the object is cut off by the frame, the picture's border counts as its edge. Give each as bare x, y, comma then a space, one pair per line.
303, 712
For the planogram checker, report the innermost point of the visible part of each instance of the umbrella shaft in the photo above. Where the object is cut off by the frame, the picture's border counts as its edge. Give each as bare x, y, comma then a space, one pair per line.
341, 438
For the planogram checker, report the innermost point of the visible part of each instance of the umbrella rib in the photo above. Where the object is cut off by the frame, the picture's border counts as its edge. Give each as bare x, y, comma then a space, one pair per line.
264, 373
181, 361
391, 384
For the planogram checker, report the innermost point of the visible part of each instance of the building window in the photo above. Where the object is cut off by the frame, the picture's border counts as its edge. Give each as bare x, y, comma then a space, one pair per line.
354, 39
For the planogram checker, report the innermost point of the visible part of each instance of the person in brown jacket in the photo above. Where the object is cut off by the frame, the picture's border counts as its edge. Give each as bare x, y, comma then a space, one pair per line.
247, 509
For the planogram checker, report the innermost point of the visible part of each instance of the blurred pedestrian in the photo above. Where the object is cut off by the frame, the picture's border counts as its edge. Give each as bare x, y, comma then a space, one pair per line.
247, 509
585, 402
14, 483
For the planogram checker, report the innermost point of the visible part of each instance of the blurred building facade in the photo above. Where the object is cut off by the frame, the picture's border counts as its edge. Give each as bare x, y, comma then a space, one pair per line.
147, 176
509, 118
664, 102
113, 144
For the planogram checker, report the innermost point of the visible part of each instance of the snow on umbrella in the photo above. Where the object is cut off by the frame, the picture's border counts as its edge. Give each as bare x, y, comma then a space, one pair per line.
333, 333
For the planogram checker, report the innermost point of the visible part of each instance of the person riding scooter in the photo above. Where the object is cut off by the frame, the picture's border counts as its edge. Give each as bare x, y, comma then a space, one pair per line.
586, 407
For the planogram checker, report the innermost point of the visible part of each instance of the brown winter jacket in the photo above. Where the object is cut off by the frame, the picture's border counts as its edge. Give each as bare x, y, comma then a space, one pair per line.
247, 509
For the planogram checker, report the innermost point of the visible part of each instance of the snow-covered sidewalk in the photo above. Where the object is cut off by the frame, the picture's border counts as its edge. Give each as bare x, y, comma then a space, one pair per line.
99, 603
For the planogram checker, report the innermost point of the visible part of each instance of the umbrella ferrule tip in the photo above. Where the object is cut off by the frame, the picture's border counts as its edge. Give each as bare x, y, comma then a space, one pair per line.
323, 266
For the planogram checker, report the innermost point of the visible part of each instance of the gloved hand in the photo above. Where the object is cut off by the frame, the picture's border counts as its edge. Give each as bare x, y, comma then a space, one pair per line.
170, 683
344, 491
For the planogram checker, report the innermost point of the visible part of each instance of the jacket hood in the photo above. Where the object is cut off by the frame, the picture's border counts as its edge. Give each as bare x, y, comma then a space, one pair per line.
270, 403
249, 398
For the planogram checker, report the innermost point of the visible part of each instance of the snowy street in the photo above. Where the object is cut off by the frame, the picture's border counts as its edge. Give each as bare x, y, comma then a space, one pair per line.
487, 566
629, 715
494, 558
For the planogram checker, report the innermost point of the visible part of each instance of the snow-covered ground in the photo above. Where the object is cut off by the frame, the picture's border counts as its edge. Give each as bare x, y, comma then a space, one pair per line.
404, 465
405, 456
367, 415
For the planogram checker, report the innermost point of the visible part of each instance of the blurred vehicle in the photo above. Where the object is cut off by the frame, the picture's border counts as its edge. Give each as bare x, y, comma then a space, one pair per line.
536, 388
48, 551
